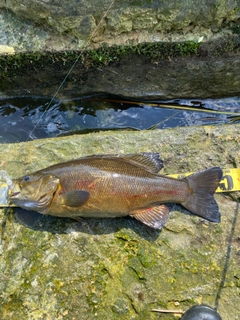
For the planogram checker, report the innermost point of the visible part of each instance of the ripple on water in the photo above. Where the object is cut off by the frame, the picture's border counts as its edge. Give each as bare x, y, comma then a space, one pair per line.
28, 118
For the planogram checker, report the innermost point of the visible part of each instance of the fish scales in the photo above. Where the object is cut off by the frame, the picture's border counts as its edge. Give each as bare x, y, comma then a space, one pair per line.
115, 186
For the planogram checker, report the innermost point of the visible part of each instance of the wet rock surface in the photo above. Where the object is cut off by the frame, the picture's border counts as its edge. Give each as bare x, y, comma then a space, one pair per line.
110, 268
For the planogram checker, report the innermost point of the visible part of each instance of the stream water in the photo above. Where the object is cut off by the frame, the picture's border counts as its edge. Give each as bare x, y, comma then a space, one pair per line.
28, 118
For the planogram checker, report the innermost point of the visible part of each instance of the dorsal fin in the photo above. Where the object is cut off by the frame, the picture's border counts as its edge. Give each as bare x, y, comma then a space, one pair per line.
151, 161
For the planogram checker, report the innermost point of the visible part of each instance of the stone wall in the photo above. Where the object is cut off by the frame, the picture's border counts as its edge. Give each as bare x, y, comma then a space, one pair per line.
46, 25
198, 55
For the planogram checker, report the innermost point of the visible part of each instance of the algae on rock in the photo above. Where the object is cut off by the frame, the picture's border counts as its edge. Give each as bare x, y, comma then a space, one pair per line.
109, 268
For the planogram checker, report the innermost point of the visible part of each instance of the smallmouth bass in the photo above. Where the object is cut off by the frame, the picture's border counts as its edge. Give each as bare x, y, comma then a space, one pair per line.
107, 186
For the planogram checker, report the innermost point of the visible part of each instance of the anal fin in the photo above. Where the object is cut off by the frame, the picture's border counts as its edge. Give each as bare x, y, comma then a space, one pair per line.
154, 217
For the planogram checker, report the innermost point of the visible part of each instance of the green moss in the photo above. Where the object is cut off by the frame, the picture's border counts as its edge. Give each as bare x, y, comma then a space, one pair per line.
162, 50
145, 257
235, 27
18, 64
21, 62
138, 3
15, 303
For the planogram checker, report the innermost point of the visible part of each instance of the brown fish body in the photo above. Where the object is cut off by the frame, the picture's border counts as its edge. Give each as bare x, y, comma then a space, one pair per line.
114, 186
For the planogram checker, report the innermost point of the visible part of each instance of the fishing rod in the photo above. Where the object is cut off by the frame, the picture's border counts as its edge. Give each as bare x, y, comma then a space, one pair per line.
166, 105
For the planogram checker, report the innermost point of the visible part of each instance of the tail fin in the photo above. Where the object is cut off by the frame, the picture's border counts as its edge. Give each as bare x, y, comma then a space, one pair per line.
200, 200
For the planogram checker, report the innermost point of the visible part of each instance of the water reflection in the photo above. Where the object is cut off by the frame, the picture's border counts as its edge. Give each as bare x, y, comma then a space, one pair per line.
28, 118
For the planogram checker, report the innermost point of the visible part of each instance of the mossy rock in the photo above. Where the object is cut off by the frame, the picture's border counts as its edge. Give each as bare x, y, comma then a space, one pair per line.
111, 268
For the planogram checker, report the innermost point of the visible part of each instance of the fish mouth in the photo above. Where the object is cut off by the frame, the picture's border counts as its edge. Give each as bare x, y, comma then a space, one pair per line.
14, 194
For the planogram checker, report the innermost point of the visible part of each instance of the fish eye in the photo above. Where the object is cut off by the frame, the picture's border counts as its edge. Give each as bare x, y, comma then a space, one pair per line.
26, 178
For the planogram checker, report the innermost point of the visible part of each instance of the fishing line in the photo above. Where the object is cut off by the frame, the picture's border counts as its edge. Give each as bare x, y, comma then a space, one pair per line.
228, 254
169, 106
165, 120
70, 70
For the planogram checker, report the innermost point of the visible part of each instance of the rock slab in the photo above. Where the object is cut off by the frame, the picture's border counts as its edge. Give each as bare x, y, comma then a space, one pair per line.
118, 268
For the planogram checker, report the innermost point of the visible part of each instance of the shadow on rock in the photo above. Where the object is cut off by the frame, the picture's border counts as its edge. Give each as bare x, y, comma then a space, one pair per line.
37, 221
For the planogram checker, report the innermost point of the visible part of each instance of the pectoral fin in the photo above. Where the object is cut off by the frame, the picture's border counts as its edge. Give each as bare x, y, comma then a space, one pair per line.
155, 217
75, 198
